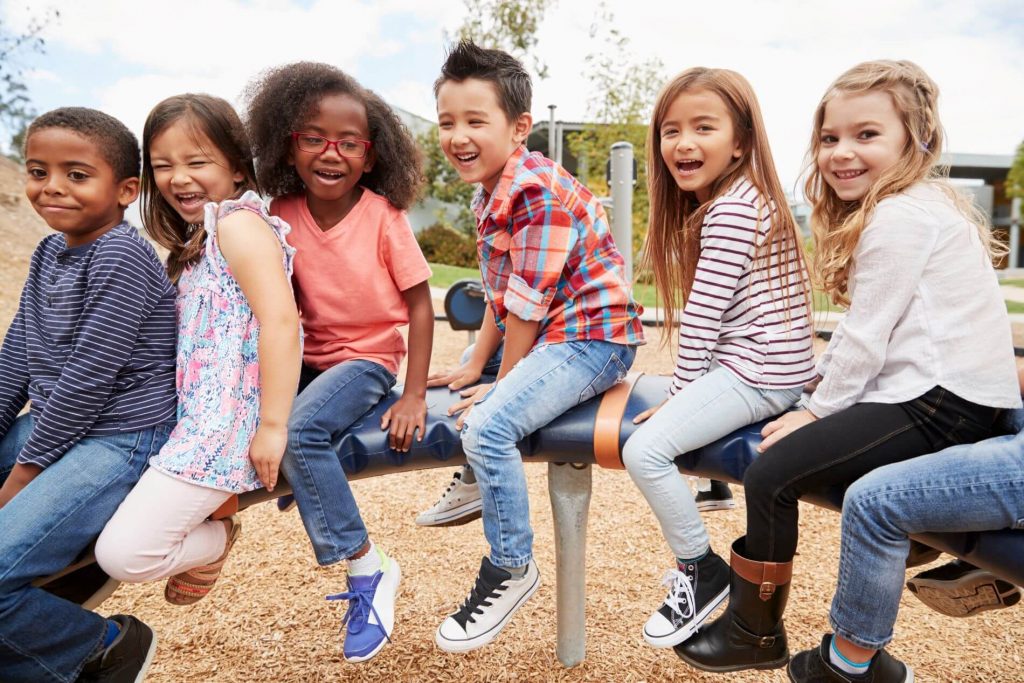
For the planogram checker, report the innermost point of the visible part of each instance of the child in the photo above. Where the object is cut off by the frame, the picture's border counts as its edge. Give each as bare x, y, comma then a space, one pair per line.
922, 360
558, 302
92, 347
974, 487
723, 243
343, 170
238, 349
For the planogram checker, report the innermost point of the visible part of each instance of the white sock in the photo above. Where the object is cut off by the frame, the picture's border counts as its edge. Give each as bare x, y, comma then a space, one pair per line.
369, 563
843, 664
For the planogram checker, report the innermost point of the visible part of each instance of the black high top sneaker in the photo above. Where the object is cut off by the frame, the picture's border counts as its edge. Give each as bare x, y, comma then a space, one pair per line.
695, 590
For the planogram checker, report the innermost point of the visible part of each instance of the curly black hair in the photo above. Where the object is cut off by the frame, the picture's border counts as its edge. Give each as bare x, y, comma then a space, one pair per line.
283, 99
118, 145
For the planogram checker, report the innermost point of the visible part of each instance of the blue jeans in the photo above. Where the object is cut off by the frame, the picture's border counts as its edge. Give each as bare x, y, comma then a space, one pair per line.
45, 527
974, 487
548, 381
706, 409
328, 403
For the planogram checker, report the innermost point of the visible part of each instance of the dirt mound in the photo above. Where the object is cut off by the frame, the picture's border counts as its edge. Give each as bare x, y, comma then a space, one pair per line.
21, 228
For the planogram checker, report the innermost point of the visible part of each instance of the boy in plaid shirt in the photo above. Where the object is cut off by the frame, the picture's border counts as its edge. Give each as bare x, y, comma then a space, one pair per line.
560, 315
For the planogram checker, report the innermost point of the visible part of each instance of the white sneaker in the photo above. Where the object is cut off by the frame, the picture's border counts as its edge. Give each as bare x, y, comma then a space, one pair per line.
460, 504
487, 610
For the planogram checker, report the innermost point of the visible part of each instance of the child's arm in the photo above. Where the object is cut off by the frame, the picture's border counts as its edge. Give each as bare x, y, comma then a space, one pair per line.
487, 343
409, 413
14, 375
254, 255
20, 476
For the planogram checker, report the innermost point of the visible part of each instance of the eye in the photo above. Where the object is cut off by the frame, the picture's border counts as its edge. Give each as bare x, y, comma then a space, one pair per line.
312, 140
160, 168
350, 145
37, 173
476, 122
668, 132
828, 139
445, 125
77, 176
704, 128
198, 163
867, 134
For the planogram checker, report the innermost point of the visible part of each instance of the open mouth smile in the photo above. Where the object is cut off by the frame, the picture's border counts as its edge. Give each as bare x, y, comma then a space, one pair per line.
688, 166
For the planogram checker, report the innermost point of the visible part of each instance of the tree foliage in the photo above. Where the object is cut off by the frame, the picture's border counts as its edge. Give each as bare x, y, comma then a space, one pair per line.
16, 110
1015, 179
623, 90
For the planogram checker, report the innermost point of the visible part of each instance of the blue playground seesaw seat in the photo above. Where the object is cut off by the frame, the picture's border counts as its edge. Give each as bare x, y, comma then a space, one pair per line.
592, 433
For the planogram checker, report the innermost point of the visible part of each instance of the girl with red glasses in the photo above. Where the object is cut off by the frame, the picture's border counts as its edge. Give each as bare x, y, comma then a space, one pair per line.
343, 169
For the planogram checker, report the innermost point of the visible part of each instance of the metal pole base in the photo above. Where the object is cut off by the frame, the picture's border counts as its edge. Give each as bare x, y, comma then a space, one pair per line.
569, 486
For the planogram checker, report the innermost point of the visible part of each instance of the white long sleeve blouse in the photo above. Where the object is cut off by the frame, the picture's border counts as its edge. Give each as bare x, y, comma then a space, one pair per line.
925, 311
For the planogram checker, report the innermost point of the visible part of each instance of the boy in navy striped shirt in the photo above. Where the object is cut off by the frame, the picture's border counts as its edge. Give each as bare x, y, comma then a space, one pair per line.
92, 346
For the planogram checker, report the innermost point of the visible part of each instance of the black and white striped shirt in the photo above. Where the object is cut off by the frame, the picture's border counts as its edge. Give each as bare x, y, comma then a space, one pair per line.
740, 312
92, 344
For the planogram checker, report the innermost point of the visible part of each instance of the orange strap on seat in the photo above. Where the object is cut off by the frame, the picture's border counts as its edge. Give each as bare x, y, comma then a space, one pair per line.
227, 508
608, 423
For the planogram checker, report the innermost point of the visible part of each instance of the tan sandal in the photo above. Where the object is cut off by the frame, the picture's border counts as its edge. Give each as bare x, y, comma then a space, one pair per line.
190, 587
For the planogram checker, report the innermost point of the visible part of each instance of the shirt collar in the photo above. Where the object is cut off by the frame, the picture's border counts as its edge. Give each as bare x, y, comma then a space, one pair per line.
497, 203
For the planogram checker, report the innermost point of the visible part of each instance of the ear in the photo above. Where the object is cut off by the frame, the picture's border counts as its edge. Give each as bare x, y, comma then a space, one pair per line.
127, 192
737, 151
521, 127
371, 159
237, 177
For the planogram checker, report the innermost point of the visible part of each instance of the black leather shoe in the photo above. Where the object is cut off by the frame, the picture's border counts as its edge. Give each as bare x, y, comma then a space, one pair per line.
814, 666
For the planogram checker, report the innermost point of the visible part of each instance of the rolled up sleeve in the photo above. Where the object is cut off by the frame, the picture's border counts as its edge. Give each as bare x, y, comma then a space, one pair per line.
542, 237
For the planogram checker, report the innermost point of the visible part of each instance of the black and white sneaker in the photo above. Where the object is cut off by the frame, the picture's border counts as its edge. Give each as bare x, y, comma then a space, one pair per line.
718, 497
487, 610
459, 504
694, 592
128, 657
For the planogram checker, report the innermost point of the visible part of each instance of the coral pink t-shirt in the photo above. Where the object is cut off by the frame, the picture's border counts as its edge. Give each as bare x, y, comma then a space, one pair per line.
349, 280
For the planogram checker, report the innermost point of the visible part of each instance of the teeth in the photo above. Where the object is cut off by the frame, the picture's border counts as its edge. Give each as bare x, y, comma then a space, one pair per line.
466, 157
846, 175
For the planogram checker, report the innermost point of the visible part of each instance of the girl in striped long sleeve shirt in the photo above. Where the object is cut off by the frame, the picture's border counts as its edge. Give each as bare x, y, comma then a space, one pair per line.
723, 247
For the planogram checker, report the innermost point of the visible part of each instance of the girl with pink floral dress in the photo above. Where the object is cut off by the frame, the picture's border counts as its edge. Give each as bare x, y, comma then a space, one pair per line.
238, 349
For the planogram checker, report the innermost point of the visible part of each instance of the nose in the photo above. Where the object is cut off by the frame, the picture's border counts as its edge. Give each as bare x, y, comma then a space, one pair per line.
180, 177
54, 184
684, 142
842, 150
331, 152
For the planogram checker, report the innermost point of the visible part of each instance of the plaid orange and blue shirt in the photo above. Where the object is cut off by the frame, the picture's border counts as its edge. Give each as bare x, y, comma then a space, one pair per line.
546, 254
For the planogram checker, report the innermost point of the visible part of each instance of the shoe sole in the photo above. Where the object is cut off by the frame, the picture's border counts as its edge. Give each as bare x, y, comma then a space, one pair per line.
762, 666
713, 505
373, 653
147, 661
971, 594
485, 638
687, 631
457, 517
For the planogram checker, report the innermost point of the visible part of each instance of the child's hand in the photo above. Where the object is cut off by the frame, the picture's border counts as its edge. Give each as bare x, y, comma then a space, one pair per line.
266, 451
405, 416
647, 413
469, 397
461, 376
785, 425
811, 386
20, 476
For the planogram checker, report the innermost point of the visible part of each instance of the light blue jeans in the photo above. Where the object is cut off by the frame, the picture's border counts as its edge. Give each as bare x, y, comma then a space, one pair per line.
42, 530
707, 409
547, 382
973, 487
328, 404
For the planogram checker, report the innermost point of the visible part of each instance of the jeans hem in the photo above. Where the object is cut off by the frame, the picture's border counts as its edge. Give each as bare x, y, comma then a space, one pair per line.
336, 557
513, 563
846, 634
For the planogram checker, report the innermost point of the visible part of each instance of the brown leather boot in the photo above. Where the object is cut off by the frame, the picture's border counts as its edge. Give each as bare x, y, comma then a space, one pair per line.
750, 634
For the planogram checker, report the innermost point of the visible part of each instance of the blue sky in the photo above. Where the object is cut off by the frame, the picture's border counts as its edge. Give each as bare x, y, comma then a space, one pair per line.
124, 56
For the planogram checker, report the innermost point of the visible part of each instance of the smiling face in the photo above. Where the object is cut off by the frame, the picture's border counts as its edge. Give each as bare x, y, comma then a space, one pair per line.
190, 171
73, 187
332, 180
476, 134
698, 141
862, 137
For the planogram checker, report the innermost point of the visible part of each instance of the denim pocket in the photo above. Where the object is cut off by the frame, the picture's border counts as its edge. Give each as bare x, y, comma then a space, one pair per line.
612, 373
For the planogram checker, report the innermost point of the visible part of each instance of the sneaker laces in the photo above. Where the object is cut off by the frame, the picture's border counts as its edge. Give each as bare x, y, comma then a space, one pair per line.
681, 599
456, 480
360, 607
479, 597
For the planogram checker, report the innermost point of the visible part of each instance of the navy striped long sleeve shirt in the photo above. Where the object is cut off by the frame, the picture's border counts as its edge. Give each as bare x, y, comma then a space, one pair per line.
92, 344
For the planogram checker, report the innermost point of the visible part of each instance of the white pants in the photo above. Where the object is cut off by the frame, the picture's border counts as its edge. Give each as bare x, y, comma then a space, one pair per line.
161, 529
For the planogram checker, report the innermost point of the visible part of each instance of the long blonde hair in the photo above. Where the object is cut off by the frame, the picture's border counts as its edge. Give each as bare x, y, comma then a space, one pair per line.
836, 224
672, 247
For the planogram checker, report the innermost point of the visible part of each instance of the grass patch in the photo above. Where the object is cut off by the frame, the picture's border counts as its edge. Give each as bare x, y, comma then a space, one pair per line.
1012, 283
1014, 307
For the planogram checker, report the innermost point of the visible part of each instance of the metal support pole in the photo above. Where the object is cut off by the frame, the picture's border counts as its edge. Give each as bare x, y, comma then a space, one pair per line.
558, 143
569, 487
552, 145
621, 187
1015, 215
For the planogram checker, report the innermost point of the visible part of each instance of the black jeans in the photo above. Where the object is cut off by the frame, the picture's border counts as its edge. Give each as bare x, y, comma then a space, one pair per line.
835, 451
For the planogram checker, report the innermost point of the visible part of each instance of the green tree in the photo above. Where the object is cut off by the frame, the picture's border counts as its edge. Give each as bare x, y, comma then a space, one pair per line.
623, 90
16, 110
1015, 178
510, 25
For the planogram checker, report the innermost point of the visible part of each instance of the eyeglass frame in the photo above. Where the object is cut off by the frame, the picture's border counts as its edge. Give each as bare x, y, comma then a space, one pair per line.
328, 143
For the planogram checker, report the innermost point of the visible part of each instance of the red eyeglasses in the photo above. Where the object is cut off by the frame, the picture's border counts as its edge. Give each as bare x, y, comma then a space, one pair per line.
353, 148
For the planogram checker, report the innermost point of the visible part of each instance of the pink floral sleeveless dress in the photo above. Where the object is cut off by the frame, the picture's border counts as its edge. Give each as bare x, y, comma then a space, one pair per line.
218, 373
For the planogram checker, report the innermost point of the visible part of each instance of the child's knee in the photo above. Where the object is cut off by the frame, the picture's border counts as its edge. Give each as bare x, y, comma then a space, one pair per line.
117, 558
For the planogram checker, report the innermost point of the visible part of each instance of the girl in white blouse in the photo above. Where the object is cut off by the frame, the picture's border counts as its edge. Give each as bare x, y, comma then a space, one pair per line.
922, 360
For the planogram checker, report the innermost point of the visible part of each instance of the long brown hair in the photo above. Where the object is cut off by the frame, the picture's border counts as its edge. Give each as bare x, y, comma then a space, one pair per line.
216, 120
836, 224
672, 247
